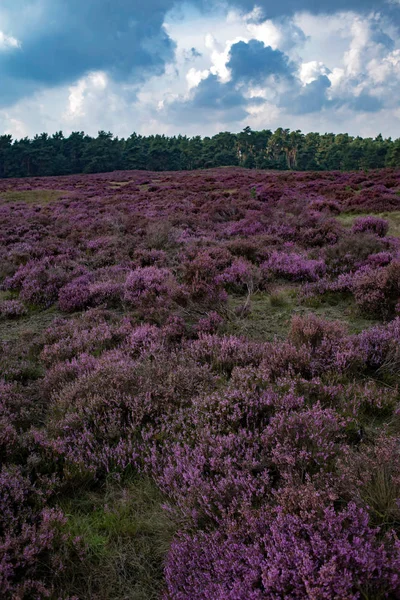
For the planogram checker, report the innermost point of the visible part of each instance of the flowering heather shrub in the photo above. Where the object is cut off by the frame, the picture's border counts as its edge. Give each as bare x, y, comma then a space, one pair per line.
240, 276
315, 331
210, 323
378, 347
286, 360
29, 536
40, 282
151, 291
217, 477
247, 249
75, 295
351, 252
12, 309
381, 259
328, 555
304, 442
144, 339
92, 332
149, 258
200, 269
377, 291
372, 476
98, 417
11, 414
325, 205
375, 225
293, 267
225, 353
319, 232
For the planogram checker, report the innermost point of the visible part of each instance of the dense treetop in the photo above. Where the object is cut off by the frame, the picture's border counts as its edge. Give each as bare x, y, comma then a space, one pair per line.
282, 149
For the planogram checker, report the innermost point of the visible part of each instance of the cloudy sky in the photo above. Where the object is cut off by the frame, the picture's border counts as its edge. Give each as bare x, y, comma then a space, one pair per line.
159, 66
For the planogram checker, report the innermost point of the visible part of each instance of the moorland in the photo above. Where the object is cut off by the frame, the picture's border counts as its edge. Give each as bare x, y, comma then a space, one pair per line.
199, 385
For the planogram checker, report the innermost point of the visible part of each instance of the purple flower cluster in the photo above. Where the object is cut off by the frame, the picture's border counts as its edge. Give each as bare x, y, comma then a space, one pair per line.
370, 224
293, 267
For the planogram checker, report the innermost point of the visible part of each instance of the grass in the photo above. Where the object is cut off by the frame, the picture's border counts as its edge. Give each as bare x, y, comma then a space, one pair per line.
381, 494
32, 196
393, 218
117, 184
266, 318
270, 313
126, 533
31, 325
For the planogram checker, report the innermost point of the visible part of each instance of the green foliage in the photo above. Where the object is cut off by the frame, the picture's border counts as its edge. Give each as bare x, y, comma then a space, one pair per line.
124, 534
283, 149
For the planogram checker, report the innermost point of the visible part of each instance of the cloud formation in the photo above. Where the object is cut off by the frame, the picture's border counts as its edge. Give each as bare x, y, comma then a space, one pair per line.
252, 62
172, 66
69, 39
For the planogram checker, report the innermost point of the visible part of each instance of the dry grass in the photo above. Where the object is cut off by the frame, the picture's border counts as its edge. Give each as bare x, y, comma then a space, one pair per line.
381, 495
32, 196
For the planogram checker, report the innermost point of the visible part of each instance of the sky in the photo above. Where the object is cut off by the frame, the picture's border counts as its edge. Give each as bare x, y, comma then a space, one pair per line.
200, 67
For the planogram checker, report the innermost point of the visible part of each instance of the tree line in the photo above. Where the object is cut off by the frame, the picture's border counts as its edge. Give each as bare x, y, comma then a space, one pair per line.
283, 149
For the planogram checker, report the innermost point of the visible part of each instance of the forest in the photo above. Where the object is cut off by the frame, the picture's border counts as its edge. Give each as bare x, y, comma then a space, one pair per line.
282, 150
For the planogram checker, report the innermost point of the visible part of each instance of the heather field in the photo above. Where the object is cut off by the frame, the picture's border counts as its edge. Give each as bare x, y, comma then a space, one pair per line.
199, 386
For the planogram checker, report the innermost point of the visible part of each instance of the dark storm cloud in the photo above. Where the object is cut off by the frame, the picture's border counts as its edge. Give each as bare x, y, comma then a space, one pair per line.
366, 103
308, 99
253, 62
210, 98
123, 37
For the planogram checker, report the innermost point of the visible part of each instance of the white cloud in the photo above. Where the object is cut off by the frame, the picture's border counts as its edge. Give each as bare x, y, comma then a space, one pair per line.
84, 90
266, 32
193, 77
310, 71
8, 42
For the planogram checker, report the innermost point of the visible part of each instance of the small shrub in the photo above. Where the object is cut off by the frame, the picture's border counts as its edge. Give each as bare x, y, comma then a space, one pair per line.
370, 224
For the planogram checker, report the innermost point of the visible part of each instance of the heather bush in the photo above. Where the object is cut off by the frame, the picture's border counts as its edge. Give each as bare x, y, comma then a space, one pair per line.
12, 309
30, 537
371, 476
92, 332
324, 554
40, 281
351, 252
210, 323
199, 272
241, 276
371, 224
293, 267
302, 443
314, 331
325, 205
319, 232
151, 291
98, 418
225, 353
220, 475
376, 350
377, 291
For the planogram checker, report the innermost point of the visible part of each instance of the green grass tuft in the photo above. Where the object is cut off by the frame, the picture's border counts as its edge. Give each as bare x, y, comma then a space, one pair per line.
126, 534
